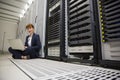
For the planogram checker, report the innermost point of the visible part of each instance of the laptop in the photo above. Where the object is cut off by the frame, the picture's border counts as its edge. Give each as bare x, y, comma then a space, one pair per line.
16, 44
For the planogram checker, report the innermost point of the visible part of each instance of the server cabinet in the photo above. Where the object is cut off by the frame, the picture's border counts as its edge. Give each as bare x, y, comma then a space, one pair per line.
55, 30
109, 15
82, 34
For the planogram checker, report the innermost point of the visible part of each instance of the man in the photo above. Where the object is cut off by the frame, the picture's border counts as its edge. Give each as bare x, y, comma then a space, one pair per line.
32, 46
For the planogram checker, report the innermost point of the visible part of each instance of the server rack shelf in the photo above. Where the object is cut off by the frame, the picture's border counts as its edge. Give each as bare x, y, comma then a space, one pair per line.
55, 29
80, 28
109, 11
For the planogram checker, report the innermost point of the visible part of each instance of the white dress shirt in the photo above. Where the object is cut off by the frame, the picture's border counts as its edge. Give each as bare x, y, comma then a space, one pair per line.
29, 40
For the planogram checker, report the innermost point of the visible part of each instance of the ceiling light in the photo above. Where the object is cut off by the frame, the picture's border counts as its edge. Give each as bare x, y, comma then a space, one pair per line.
26, 6
23, 12
21, 15
30, 2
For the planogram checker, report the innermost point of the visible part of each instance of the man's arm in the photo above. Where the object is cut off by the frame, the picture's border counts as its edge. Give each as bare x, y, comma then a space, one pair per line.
37, 45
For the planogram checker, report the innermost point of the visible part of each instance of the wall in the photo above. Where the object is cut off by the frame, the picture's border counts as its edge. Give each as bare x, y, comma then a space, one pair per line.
7, 31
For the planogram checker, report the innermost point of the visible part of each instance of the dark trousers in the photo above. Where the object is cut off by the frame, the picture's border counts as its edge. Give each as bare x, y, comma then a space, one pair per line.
16, 54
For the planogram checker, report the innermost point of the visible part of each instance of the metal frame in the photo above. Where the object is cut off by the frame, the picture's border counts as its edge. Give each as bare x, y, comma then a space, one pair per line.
62, 31
96, 34
46, 33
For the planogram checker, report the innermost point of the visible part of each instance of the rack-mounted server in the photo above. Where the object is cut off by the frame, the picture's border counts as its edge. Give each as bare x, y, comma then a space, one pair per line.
82, 34
55, 29
109, 15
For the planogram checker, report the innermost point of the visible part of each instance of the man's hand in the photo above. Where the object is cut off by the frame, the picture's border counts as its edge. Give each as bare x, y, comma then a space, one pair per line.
25, 47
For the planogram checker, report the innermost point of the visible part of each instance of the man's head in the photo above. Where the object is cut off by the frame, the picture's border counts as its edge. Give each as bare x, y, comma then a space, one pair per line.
30, 28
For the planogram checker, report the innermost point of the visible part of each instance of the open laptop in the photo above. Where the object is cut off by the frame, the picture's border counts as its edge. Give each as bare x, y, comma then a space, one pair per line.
16, 44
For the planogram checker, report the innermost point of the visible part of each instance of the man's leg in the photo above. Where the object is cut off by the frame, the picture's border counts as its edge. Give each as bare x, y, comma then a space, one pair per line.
16, 54
31, 52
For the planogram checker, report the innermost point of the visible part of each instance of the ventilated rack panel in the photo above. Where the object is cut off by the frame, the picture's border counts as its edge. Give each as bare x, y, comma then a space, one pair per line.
92, 74
110, 19
52, 3
80, 23
54, 22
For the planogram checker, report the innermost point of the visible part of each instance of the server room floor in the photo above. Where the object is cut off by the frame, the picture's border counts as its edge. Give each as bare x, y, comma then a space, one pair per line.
43, 69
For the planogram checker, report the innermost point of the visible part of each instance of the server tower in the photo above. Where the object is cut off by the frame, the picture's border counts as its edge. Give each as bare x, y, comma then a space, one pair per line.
55, 30
109, 15
82, 34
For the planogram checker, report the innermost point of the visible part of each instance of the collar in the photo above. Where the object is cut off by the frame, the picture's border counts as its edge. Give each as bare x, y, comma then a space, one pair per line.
31, 35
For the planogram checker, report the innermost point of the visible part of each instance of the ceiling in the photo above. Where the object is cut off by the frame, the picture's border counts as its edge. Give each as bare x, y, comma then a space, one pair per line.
10, 10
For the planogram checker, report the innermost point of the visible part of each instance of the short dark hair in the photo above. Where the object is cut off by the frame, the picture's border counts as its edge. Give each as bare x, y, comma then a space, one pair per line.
29, 26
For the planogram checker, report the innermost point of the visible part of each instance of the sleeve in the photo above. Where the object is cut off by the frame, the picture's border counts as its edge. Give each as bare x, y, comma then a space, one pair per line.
26, 41
38, 44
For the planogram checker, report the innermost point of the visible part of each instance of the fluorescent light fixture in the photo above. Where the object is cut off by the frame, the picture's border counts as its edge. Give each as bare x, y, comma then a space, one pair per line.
26, 7
23, 11
30, 2
21, 15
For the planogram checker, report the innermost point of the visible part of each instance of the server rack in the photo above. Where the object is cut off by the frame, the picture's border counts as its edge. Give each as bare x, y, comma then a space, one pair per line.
55, 30
82, 35
109, 16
